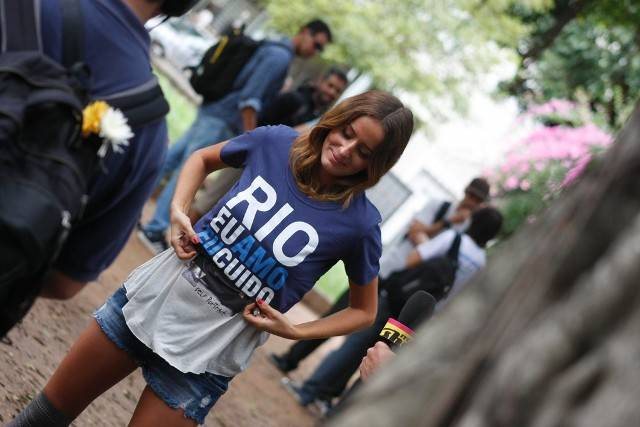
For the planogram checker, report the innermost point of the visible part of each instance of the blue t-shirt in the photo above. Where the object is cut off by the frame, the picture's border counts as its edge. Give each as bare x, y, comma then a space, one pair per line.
274, 242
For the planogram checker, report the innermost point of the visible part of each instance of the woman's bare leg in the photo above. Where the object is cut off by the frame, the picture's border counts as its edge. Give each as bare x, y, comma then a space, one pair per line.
152, 411
92, 366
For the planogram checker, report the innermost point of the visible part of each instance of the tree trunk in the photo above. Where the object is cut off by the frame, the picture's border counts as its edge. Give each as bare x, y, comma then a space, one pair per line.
547, 335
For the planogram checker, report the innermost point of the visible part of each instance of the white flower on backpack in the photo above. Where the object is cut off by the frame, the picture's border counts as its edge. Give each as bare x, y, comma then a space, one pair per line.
114, 128
108, 123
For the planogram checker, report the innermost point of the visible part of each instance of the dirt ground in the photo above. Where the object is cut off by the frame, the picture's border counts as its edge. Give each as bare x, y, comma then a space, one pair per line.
255, 397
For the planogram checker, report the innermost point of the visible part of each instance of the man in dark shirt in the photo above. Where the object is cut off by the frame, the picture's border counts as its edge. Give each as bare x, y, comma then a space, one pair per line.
118, 57
306, 103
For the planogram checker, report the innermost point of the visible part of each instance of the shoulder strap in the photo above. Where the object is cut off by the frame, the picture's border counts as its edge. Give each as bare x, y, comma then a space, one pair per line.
142, 104
72, 33
454, 249
20, 22
442, 211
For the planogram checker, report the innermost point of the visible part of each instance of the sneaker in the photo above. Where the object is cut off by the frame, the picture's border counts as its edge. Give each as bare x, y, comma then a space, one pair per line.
296, 390
155, 242
281, 363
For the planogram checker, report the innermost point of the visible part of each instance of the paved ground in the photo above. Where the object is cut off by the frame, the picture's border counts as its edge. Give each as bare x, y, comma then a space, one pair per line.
255, 398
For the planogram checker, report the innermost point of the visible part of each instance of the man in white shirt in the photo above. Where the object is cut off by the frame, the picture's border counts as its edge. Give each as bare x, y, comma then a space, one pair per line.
436, 216
485, 225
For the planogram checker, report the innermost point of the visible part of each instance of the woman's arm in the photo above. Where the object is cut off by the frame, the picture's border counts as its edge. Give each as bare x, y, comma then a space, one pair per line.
363, 306
201, 163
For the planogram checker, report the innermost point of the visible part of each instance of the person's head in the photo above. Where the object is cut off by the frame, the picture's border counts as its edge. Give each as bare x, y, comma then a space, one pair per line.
485, 225
330, 87
476, 193
352, 146
312, 38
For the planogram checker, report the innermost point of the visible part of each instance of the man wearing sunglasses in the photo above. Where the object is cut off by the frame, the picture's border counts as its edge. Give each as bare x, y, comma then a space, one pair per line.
259, 81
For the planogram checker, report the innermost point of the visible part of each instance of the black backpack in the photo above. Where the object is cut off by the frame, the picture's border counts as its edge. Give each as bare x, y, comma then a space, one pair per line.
213, 78
45, 163
434, 276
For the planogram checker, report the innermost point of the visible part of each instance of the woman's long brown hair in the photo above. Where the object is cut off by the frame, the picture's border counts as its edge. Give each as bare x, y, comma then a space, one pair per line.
397, 123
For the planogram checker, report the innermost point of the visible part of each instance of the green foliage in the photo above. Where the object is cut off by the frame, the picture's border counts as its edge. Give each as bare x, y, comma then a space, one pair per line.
592, 57
182, 113
333, 283
517, 209
602, 62
519, 206
624, 13
433, 48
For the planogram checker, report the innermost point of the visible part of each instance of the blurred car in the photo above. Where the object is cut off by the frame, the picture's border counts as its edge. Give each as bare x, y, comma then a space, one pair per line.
179, 42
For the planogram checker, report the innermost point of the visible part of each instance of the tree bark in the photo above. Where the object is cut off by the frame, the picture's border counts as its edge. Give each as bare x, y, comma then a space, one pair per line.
547, 335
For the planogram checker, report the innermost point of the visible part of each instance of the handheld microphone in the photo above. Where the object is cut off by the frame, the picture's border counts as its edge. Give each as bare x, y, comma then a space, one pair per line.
418, 308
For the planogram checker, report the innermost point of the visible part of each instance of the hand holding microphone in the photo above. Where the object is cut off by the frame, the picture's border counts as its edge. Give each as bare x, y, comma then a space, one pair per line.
416, 310
376, 356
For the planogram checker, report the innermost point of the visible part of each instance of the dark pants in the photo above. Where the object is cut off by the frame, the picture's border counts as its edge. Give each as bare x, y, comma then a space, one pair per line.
300, 350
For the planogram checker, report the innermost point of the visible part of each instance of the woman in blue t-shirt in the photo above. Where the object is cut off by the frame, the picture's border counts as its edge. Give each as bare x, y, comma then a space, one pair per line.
192, 316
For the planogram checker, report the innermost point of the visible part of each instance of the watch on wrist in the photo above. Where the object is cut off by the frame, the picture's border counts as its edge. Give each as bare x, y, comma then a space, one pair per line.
446, 223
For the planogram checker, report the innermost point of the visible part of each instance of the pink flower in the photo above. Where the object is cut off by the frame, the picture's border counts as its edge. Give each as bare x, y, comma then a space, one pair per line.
558, 107
511, 183
558, 147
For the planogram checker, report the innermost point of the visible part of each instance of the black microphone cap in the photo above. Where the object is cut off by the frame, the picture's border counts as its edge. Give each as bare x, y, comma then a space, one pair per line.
418, 308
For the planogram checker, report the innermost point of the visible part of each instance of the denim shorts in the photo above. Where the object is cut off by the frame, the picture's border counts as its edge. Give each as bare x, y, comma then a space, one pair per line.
194, 393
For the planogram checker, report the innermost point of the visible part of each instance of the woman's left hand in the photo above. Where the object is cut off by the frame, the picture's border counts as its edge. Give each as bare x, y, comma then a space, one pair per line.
183, 237
270, 320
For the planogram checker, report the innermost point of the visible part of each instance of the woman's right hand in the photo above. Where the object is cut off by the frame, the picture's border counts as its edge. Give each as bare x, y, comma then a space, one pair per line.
183, 237
266, 318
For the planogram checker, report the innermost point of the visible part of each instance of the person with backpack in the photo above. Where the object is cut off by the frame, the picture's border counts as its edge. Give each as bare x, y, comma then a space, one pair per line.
331, 376
485, 225
260, 71
192, 316
104, 49
438, 215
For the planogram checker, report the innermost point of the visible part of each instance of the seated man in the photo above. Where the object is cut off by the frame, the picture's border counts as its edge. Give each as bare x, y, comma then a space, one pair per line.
332, 375
306, 103
435, 217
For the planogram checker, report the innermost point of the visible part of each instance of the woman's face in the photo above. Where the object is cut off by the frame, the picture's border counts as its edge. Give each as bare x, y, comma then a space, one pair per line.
346, 151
